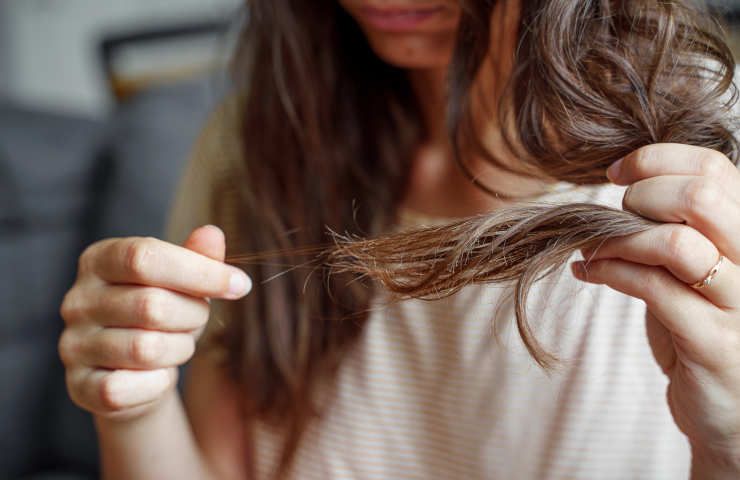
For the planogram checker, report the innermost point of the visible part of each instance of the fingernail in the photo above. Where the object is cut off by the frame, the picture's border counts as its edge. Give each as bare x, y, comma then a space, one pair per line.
239, 284
612, 173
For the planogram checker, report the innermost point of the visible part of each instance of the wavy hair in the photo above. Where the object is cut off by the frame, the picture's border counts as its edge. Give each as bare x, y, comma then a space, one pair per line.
591, 82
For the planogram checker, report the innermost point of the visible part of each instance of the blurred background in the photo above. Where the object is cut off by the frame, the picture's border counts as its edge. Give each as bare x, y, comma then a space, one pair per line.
100, 103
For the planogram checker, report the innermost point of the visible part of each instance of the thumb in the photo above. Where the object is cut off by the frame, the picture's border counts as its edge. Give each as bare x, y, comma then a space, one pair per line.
208, 240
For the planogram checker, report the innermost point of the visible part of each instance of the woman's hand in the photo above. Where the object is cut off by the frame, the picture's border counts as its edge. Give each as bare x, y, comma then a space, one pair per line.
133, 316
694, 332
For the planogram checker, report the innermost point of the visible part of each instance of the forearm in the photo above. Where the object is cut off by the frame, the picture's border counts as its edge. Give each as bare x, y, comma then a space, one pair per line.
159, 444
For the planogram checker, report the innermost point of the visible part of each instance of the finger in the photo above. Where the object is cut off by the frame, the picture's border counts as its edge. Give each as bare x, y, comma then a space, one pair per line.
208, 240
672, 301
676, 159
127, 348
696, 201
696, 324
684, 251
105, 391
661, 343
150, 308
153, 262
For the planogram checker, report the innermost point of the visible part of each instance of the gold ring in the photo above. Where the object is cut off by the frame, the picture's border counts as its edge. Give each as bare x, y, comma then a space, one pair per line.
706, 281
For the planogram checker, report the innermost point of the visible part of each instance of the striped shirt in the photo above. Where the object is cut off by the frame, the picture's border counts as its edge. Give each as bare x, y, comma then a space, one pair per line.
445, 389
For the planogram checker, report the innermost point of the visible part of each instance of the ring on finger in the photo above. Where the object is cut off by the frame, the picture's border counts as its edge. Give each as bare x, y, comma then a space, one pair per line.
706, 281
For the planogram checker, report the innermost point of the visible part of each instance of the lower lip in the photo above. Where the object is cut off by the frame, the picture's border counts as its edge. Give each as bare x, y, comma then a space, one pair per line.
399, 20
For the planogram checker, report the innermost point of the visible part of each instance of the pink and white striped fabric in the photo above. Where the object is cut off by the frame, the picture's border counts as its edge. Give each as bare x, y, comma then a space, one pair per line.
431, 393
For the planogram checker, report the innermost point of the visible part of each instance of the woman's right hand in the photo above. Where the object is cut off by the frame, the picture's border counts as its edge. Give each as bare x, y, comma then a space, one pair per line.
134, 313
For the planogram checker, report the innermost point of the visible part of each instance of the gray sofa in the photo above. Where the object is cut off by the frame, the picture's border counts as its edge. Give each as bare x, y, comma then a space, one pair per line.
65, 182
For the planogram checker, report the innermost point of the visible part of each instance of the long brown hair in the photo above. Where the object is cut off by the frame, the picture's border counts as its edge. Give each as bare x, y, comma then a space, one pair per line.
592, 81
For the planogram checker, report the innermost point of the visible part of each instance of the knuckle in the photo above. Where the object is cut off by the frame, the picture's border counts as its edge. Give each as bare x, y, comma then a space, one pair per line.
701, 195
727, 347
108, 392
653, 284
680, 243
713, 164
68, 347
150, 308
146, 348
87, 258
137, 256
642, 159
73, 388
71, 308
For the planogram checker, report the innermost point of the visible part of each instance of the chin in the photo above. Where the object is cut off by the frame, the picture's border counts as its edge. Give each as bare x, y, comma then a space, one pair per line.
414, 51
408, 34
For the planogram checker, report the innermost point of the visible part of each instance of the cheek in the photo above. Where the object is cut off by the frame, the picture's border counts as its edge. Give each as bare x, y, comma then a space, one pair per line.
414, 50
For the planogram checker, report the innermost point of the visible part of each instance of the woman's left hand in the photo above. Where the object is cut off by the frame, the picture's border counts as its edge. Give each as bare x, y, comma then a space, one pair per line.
694, 332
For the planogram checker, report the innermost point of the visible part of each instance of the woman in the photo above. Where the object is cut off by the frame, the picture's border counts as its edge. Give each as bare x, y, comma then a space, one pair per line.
343, 126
